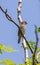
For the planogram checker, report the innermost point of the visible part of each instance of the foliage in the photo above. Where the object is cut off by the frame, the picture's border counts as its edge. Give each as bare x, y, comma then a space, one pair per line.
0, 51
38, 49
6, 49
29, 62
38, 56
38, 29
32, 44
7, 62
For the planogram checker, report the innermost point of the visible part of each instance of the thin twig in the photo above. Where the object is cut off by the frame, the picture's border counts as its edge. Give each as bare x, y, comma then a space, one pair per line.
37, 39
35, 45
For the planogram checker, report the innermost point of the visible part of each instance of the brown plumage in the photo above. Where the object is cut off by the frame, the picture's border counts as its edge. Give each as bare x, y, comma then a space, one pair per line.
22, 27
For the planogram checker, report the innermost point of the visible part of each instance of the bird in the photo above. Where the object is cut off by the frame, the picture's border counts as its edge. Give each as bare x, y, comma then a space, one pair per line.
23, 29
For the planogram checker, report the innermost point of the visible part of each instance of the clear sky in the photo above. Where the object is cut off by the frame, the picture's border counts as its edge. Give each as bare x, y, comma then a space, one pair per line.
8, 31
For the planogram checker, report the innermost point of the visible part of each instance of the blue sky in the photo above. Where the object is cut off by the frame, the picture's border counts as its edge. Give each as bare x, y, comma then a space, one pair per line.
8, 31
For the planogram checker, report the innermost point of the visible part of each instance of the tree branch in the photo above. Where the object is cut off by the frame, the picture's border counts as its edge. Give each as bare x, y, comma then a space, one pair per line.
35, 45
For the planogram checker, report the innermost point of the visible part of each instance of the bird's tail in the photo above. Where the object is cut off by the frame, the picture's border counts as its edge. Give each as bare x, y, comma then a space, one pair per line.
19, 38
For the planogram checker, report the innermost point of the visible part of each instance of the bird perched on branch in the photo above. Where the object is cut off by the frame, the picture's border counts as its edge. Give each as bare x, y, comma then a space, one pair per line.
22, 27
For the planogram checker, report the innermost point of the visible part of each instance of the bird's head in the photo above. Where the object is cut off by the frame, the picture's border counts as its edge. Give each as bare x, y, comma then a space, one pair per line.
23, 22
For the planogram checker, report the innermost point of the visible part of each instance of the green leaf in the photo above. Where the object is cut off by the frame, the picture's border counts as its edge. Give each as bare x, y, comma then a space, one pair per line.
38, 56
0, 51
38, 29
2, 62
7, 62
1, 46
21, 64
10, 49
7, 49
38, 64
38, 49
29, 61
32, 44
